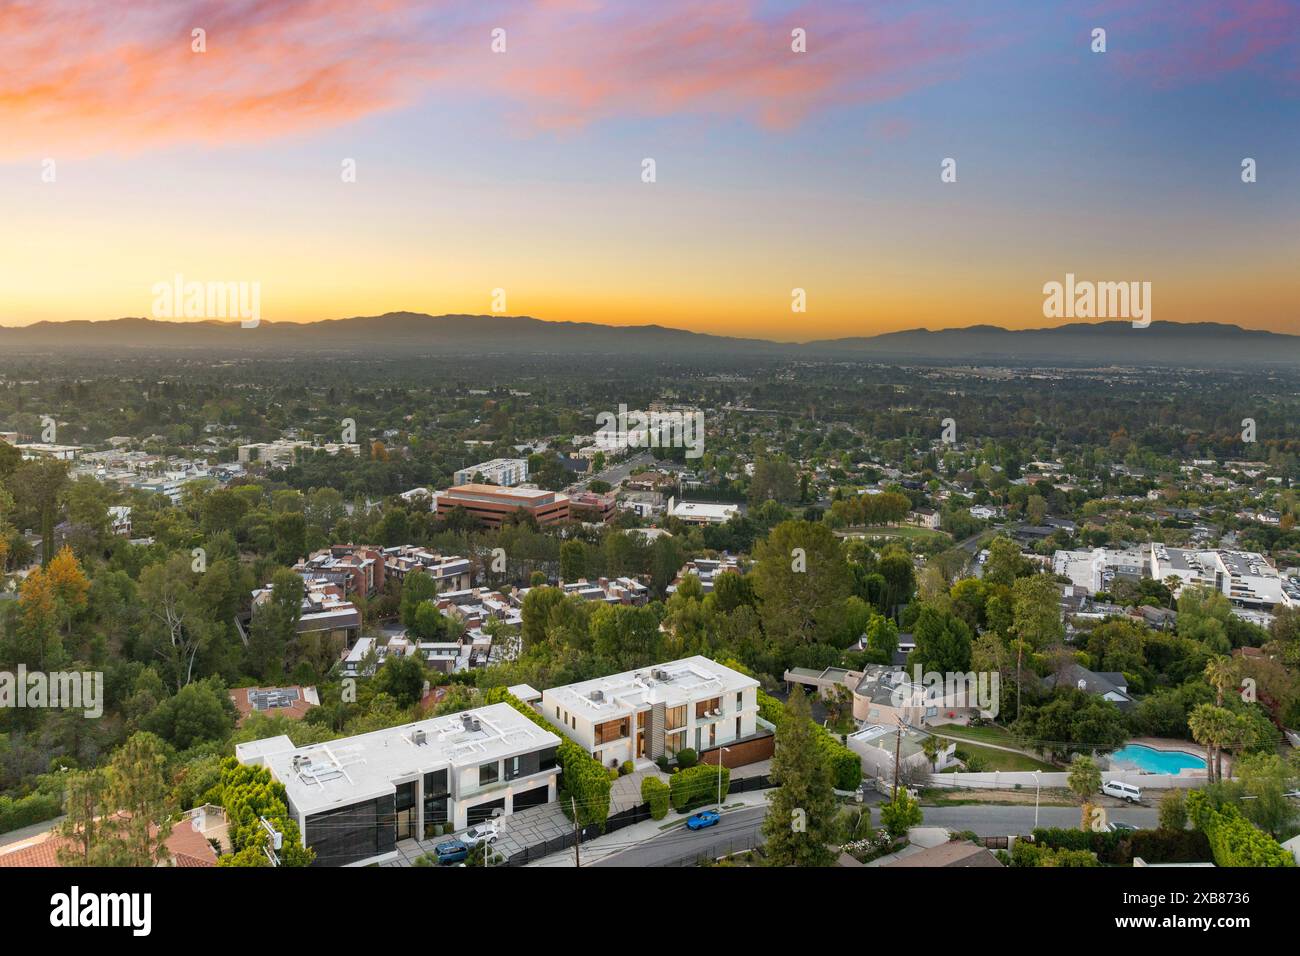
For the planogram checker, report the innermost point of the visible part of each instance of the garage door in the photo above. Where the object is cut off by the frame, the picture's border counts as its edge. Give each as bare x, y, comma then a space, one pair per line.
531, 798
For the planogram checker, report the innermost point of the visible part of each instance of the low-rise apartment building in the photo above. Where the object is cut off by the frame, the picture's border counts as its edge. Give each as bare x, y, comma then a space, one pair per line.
492, 505
450, 572
355, 798
356, 568
506, 472
646, 714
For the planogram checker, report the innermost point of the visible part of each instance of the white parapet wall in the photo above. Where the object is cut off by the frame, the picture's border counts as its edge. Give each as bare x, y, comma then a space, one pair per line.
1023, 779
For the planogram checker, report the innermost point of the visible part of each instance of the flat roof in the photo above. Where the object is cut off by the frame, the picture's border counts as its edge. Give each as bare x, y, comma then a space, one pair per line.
682, 681
341, 772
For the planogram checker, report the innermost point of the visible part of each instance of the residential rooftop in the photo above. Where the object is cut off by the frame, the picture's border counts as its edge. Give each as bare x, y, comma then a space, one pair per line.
673, 684
342, 772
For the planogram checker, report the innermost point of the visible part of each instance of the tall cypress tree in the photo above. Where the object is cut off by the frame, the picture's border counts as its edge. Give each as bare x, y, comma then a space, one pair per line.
800, 824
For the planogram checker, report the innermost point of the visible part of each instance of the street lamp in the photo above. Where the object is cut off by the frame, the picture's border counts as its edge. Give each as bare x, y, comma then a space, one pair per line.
497, 815
1038, 787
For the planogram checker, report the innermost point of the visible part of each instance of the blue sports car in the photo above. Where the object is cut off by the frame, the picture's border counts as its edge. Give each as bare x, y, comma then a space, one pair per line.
705, 818
452, 851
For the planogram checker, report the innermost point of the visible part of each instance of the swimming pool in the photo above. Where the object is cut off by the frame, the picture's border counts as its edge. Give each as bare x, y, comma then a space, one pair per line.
1138, 757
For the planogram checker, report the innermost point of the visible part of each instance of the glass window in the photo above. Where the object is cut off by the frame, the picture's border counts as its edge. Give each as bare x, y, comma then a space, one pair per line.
676, 717
675, 742
546, 759
705, 707
615, 729
488, 773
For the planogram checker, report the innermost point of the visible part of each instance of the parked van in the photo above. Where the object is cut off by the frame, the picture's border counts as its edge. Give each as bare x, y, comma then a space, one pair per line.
1124, 791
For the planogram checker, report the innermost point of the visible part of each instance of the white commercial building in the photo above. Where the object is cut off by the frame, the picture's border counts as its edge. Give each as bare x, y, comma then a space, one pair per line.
696, 512
355, 798
1245, 577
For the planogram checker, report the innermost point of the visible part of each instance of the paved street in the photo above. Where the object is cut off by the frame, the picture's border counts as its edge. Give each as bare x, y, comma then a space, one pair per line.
739, 830
736, 831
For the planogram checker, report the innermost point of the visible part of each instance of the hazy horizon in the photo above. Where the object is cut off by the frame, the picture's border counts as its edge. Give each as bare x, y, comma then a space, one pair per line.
775, 170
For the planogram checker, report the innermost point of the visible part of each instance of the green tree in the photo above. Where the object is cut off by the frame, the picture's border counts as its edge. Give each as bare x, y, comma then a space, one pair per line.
800, 822
900, 814
1173, 811
1084, 780
801, 579
943, 642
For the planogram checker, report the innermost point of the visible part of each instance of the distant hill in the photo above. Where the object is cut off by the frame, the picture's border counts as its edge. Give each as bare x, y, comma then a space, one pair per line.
408, 333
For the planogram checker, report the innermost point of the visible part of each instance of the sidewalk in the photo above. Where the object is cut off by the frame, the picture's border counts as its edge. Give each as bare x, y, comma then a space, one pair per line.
611, 843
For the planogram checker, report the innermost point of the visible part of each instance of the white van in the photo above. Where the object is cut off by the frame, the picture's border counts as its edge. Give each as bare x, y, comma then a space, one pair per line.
1124, 791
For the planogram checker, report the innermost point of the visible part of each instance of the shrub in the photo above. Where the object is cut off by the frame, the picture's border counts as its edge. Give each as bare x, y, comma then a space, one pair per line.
1234, 840
1024, 853
1171, 846
697, 785
655, 793
626, 768
686, 757
23, 812
586, 784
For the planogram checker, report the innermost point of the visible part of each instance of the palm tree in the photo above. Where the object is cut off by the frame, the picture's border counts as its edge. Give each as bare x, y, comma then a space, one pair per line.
932, 746
1213, 728
1221, 672
1172, 582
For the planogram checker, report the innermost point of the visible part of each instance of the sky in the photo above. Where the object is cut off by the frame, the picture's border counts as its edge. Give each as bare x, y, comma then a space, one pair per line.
128, 158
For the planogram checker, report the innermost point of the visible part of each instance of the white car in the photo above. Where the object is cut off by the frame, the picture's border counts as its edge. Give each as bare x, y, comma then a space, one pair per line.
483, 833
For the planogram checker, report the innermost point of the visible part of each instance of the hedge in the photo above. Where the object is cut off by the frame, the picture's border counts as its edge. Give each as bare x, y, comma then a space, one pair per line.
844, 764
1120, 847
586, 782
1233, 839
655, 792
1024, 853
697, 785
25, 811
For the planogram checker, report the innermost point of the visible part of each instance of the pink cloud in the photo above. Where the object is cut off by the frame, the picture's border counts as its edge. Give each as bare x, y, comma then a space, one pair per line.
1177, 43
87, 78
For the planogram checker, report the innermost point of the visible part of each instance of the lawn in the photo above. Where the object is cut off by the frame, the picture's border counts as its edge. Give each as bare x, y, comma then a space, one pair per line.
987, 734
1002, 760
909, 531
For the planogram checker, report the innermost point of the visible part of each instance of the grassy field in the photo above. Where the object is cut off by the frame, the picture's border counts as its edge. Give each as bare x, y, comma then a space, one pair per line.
1002, 759
987, 734
908, 531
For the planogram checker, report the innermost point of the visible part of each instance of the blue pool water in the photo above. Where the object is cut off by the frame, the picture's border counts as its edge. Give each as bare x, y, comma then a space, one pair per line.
1155, 761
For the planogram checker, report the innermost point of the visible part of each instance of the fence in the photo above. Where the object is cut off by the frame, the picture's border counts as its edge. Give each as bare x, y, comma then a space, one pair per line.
1024, 780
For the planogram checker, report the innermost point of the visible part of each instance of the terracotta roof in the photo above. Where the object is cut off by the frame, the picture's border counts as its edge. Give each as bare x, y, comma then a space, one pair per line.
188, 847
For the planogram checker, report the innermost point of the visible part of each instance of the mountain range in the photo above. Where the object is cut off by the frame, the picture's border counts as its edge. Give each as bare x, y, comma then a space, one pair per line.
1209, 344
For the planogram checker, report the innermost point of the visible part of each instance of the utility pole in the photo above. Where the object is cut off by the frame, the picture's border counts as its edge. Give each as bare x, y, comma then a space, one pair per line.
898, 751
577, 860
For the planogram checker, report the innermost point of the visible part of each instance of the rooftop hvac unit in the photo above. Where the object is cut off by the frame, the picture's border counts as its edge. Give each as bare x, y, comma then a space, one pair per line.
418, 738
598, 696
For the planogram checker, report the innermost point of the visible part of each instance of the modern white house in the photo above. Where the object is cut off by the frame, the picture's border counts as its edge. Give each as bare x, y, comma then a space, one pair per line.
355, 798
656, 711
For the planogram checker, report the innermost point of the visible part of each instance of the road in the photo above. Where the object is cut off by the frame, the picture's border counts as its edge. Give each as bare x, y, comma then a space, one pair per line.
615, 474
739, 830
736, 831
